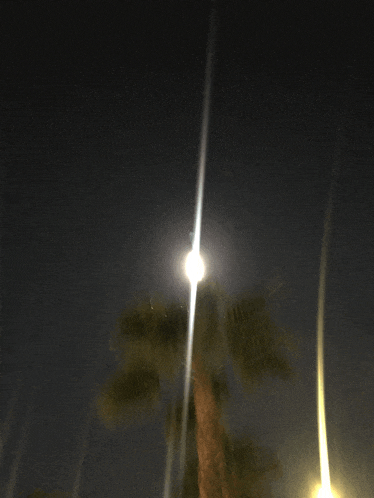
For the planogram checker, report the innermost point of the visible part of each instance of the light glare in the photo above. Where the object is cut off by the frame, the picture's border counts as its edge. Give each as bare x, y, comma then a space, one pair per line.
326, 493
194, 267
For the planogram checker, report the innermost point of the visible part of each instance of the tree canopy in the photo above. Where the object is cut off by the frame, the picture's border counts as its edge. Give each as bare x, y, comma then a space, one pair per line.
149, 341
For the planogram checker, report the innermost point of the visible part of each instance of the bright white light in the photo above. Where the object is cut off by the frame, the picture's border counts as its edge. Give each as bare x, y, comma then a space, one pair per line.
194, 267
326, 493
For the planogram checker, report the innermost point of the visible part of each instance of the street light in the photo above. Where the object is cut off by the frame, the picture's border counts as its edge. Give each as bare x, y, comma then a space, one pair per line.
194, 267
325, 493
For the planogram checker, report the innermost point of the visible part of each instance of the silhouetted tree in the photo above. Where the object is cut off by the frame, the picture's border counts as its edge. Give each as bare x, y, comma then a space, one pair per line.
250, 467
150, 341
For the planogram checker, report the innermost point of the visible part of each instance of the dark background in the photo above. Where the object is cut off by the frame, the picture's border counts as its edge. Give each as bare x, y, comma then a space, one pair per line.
101, 108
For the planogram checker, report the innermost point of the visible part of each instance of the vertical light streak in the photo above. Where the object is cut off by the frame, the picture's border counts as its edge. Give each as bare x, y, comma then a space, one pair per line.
197, 229
5, 429
323, 453
191, 320
21, 448
325, 491
169, 456
83, 452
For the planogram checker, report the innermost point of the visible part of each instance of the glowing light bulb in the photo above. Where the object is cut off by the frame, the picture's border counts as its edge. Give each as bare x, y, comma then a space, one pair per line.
194, 267
325, 492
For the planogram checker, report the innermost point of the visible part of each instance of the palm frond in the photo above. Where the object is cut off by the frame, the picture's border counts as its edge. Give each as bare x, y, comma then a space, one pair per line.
173, 419
127, 396
250, 467
153, 331
259, 347
209, 337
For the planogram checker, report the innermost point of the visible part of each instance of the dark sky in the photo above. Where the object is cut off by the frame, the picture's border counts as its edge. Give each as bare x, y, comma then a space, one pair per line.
101, 108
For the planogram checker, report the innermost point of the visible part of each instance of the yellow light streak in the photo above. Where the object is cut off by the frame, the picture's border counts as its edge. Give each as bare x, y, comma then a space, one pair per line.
323, 453
320, 492
325, 490
326, 493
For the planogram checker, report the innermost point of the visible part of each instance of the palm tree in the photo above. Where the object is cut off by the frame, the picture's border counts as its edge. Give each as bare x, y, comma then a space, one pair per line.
150, 339
249, 466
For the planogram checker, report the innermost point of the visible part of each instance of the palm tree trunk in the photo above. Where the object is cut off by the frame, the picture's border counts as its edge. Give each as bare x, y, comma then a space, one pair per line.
212, 473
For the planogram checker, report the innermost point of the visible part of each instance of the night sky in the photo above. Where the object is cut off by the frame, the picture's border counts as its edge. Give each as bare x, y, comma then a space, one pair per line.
101, 105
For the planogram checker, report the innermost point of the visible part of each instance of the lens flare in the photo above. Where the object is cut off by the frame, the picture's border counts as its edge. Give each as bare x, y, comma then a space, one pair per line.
83, 450
23, 441
9, 419
325, 491
197, 234
321, 492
